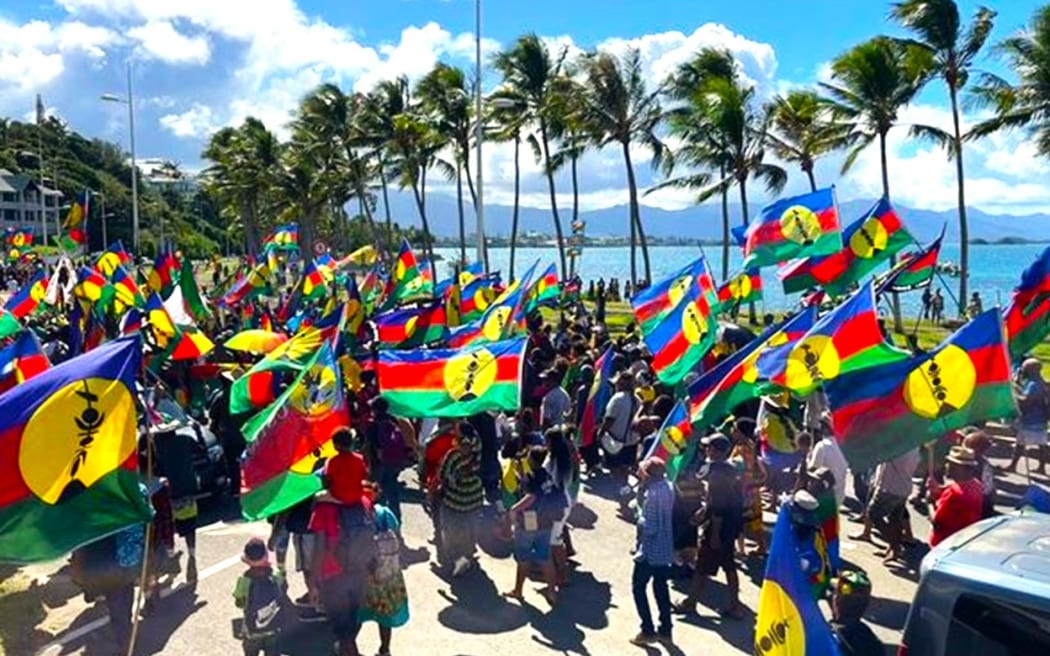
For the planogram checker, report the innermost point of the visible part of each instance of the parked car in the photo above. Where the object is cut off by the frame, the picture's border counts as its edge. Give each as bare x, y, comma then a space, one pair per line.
985, 591
208, 461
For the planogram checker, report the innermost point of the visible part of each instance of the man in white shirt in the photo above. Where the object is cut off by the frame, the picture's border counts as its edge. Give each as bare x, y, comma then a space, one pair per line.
618, 425
827, 453
891, 486
556, 407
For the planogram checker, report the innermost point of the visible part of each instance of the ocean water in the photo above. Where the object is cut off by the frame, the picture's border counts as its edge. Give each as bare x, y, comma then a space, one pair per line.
994, 270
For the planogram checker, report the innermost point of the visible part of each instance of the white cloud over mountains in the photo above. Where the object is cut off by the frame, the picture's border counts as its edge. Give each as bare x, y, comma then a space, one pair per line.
258, 57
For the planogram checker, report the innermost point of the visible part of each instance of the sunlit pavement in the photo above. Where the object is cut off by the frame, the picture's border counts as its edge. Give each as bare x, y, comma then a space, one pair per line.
468, 616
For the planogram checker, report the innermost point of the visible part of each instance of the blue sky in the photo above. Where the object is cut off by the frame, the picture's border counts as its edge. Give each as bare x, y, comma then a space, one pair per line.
202, 64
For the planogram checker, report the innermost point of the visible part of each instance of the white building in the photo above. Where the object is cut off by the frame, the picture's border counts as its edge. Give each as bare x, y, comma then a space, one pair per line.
20, 203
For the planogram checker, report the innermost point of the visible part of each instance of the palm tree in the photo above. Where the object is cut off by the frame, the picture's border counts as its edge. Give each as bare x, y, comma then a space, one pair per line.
569, 128
444, 97
507, 116
619, 109
244, 161
701, 149
412, 150
389, 99
530, 72
327, 124
951, 47
1026, 104
803, 129
871, 83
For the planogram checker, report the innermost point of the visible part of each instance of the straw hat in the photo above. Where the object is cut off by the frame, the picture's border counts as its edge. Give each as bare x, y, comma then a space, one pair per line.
960, 455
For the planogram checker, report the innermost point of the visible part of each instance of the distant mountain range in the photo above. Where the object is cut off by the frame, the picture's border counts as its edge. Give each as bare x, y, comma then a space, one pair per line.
705, 222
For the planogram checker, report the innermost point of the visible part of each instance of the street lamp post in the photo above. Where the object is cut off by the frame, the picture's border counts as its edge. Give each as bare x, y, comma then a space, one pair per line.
130, 102
102, 217
478, 132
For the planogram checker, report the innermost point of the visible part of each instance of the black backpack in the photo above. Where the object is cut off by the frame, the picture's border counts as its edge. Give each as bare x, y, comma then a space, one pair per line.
265, 610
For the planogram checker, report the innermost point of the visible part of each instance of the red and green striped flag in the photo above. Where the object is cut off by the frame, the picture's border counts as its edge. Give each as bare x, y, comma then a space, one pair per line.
800, 226
653, 303
288, 438
715, 395
913, 270
681, 338
882, 412
745, 287
673, 443
454, 382
1027, 316
868, 242
409, 327
846, 339
545, 291
407, 281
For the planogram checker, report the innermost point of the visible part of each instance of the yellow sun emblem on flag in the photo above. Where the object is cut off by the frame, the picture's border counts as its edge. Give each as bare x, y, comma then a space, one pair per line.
740, 287
672, 440
78, 435
870, 240
316, 393
800, 224
813, 360
694, 323
468, 376
677, 291
495, 323
941, 385
308, 463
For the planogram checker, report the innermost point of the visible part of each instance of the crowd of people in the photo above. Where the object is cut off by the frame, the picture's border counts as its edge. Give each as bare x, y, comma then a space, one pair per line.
519, 475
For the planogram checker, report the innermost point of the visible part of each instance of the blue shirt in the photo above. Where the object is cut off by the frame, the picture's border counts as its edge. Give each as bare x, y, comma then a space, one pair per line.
655, 533
1033, 414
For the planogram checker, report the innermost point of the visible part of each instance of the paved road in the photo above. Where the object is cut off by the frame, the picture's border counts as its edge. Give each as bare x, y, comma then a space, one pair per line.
468, 617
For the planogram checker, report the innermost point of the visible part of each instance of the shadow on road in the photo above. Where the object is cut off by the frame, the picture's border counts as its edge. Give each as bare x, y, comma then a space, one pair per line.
584, 602
476, 606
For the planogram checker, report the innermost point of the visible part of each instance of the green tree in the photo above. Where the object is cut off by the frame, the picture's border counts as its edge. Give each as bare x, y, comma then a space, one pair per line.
530, 72
244, 162
803, 129
949, 48
1026, 104
619, 109
871, 83
508, 121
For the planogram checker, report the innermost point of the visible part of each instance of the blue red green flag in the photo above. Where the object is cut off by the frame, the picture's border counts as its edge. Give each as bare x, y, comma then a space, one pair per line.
502, 320
27, 299
1027, 316
799, 226
745, 287
407, 282
74, 226
653, 303
21, 360
164, 274
913, 270
681, 338
283, 238
69, 455
884, 411
597, 398
115, 255
672, 441
846, 339
789, 622
410, 327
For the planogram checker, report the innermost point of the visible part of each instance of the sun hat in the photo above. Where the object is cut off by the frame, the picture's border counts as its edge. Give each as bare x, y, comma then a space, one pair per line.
960, 455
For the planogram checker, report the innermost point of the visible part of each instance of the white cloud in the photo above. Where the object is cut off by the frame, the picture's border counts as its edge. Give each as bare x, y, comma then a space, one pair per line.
33, 54
160, 40
195, 122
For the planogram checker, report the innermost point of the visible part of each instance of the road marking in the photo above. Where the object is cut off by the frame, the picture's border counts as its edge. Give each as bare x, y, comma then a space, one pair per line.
56, 646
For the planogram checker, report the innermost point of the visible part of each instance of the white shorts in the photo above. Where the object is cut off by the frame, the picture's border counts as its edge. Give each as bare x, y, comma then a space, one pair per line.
1031, 436
558, 529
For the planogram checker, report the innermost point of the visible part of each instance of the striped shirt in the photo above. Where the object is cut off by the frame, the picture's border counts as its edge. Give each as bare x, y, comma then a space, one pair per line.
461, 483
655, 533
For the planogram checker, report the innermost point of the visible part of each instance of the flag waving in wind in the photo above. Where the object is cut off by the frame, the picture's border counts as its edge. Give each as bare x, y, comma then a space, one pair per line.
913, 270
652, 303
70, 473
799, 226
789, 622
1028, 314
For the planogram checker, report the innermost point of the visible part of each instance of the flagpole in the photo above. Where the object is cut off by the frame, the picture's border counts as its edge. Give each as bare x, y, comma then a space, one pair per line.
937, 273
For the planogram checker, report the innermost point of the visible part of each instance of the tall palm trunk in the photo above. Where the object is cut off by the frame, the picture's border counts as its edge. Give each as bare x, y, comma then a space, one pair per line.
895, 302
386, 200
725, 224
636, 216
742, 181
554, 200
517, 197
462, 222
470, 178
419, 191
964, 228
808, 168
575, 208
